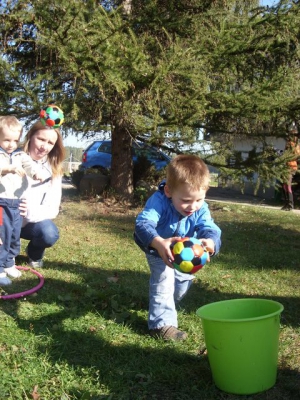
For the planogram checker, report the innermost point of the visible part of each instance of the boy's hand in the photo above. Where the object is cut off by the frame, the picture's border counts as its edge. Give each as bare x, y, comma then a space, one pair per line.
16, 170
209, 244
163, 248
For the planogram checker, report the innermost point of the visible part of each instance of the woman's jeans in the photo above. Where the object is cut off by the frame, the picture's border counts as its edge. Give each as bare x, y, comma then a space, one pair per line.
41, 235
167, 287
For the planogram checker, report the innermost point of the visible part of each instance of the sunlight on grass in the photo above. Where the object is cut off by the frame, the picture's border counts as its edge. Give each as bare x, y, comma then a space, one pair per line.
84, 334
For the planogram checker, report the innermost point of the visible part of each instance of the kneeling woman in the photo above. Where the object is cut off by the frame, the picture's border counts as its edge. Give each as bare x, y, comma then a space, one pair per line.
45, 146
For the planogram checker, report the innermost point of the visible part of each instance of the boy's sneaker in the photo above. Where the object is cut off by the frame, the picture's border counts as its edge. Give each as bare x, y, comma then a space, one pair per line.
34, 264
168, 332
4, 280
13, 272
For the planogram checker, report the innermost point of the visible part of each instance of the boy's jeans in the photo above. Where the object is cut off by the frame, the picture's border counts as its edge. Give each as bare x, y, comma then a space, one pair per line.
41, 234
11, 222
167, 287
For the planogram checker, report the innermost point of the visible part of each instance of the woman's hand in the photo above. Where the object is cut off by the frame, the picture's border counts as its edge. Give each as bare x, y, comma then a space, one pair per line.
38, 177
23, 208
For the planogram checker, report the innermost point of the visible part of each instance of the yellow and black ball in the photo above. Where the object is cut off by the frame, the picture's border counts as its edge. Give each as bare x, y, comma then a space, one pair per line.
189, 255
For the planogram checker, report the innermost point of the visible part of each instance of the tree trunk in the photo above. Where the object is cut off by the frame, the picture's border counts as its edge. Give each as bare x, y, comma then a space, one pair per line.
122, 164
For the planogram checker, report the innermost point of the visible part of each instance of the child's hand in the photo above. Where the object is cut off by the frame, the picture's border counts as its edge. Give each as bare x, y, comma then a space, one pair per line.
163, 248
209, 244
17, 170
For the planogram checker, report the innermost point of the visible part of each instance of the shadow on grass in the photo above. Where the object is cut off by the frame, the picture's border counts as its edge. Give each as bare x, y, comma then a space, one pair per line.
131, 370
126, 368
128, 362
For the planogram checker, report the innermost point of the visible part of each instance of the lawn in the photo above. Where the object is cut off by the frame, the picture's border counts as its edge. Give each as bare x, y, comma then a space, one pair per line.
84, 334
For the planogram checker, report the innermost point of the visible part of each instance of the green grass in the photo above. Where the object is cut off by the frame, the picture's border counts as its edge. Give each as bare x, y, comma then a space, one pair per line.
84, 334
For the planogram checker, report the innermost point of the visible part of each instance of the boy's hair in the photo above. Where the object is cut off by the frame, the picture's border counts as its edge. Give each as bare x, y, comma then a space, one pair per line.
11, 122
190, 169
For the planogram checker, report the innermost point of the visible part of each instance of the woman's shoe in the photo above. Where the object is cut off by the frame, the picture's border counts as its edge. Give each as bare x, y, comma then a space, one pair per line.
32, 263
35, 264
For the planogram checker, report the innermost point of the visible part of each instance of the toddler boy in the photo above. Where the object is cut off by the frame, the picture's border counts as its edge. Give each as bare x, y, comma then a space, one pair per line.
177, 209
14, 165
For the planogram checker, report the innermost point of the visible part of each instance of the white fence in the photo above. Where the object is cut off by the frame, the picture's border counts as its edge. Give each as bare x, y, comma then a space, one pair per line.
70, 166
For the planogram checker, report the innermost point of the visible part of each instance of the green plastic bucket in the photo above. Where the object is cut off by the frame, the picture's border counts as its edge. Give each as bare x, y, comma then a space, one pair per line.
242, 337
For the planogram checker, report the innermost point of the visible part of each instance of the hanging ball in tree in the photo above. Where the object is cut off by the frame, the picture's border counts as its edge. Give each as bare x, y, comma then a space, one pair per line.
189, 255
52, 116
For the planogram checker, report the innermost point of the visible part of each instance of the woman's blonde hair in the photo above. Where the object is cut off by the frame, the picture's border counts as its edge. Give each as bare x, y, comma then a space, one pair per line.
56, 155
188, 169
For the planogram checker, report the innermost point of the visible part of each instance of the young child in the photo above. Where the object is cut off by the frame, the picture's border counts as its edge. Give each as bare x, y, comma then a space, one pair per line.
177, 209
14, 165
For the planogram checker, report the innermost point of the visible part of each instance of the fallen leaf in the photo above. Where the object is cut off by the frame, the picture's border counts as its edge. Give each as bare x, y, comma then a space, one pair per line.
35, 394
113, 279
203, 351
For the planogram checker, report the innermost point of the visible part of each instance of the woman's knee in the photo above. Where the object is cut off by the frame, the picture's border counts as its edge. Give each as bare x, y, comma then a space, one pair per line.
51, 236
47, 233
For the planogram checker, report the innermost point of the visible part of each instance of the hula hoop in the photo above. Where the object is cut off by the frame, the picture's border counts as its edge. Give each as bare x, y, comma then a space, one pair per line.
26, 292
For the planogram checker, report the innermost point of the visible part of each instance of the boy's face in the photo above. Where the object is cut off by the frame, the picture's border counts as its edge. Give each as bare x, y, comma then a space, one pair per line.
9, 139
185, 199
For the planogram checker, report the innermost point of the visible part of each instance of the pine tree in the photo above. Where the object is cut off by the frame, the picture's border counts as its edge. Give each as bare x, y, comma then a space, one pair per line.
164, 70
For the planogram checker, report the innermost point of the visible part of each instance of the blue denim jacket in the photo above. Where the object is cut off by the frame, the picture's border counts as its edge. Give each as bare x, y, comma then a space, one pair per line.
160, 218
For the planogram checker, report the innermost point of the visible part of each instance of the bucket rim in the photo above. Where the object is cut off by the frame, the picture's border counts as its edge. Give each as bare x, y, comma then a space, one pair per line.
220, 319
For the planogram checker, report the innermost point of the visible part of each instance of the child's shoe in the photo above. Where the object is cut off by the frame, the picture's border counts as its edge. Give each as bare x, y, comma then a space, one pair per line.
13, 272
168, 332
4, 280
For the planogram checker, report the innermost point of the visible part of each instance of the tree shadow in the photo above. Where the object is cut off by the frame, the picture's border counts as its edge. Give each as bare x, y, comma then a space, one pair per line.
127, 368
132, 371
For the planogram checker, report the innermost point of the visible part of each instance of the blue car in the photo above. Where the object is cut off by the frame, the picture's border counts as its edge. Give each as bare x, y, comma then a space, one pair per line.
98, 155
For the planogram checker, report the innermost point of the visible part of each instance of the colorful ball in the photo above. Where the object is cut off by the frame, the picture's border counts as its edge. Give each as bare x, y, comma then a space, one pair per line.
189, 255
52, 116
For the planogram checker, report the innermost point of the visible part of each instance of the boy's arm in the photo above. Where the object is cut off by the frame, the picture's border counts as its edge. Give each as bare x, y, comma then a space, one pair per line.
162, 246
32, 168
147, 220
208, 231
8, 169
146, 235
